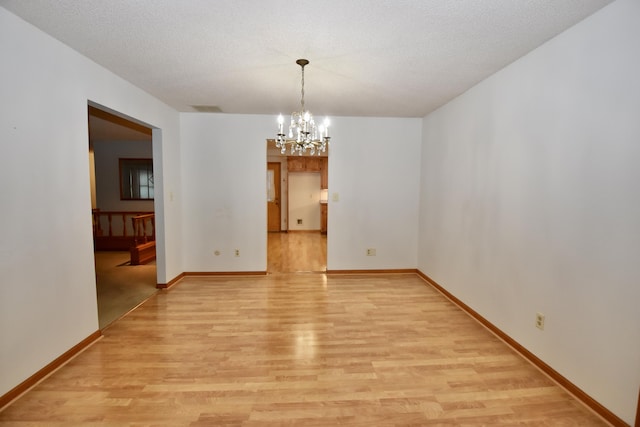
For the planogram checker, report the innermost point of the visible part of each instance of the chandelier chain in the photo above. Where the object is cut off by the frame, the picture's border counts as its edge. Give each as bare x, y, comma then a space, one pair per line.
302, 91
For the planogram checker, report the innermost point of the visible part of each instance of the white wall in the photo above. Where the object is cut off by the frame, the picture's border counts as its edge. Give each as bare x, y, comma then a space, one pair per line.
374, 169
304, 200
224, 181
224, 191
107, 164
530, 202
45, 193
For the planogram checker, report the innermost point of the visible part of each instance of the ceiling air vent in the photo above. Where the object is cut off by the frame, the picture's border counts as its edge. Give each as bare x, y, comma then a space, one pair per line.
207, 108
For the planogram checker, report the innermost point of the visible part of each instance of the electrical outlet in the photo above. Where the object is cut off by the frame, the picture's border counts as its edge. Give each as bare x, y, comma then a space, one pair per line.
237, 252
540, 321
371, 252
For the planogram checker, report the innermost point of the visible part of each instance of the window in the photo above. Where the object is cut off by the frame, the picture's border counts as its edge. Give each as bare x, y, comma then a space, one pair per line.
136, 179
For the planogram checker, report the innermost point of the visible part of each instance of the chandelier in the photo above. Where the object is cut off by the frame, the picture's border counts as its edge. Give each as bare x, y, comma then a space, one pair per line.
303, 133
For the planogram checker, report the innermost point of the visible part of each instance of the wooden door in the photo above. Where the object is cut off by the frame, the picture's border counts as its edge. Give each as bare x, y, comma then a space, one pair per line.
273, 196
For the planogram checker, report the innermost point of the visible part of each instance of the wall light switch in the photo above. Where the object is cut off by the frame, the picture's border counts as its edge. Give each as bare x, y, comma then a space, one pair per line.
335, 197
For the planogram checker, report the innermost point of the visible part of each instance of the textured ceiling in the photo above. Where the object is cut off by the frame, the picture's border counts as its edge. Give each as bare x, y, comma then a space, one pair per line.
391, 58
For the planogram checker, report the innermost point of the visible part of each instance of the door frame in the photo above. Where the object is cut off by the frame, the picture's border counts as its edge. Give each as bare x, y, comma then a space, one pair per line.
276, 167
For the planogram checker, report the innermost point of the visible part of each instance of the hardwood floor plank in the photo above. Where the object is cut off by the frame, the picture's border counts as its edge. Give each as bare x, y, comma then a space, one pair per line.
296, 252
298, 349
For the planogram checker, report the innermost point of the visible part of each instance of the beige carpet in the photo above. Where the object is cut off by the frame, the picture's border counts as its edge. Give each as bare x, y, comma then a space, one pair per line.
121, 286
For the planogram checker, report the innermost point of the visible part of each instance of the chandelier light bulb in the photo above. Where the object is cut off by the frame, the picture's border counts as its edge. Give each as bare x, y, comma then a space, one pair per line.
280, 124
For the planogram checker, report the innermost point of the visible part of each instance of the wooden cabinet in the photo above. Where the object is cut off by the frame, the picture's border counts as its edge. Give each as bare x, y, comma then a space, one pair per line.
323, 217
313, 164
296, 164
306, 164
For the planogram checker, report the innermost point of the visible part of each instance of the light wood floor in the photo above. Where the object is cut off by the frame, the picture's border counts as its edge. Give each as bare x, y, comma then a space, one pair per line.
296, 252
298, 350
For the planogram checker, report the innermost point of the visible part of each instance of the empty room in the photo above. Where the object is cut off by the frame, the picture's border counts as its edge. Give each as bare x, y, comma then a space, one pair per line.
377, 213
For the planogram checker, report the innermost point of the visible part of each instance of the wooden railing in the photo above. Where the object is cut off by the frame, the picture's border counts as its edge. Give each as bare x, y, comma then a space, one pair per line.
144, 249
144, 228
120, 230
112, 231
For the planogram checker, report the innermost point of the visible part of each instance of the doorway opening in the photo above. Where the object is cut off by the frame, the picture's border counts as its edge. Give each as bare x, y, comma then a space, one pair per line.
123, 212
296, 212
